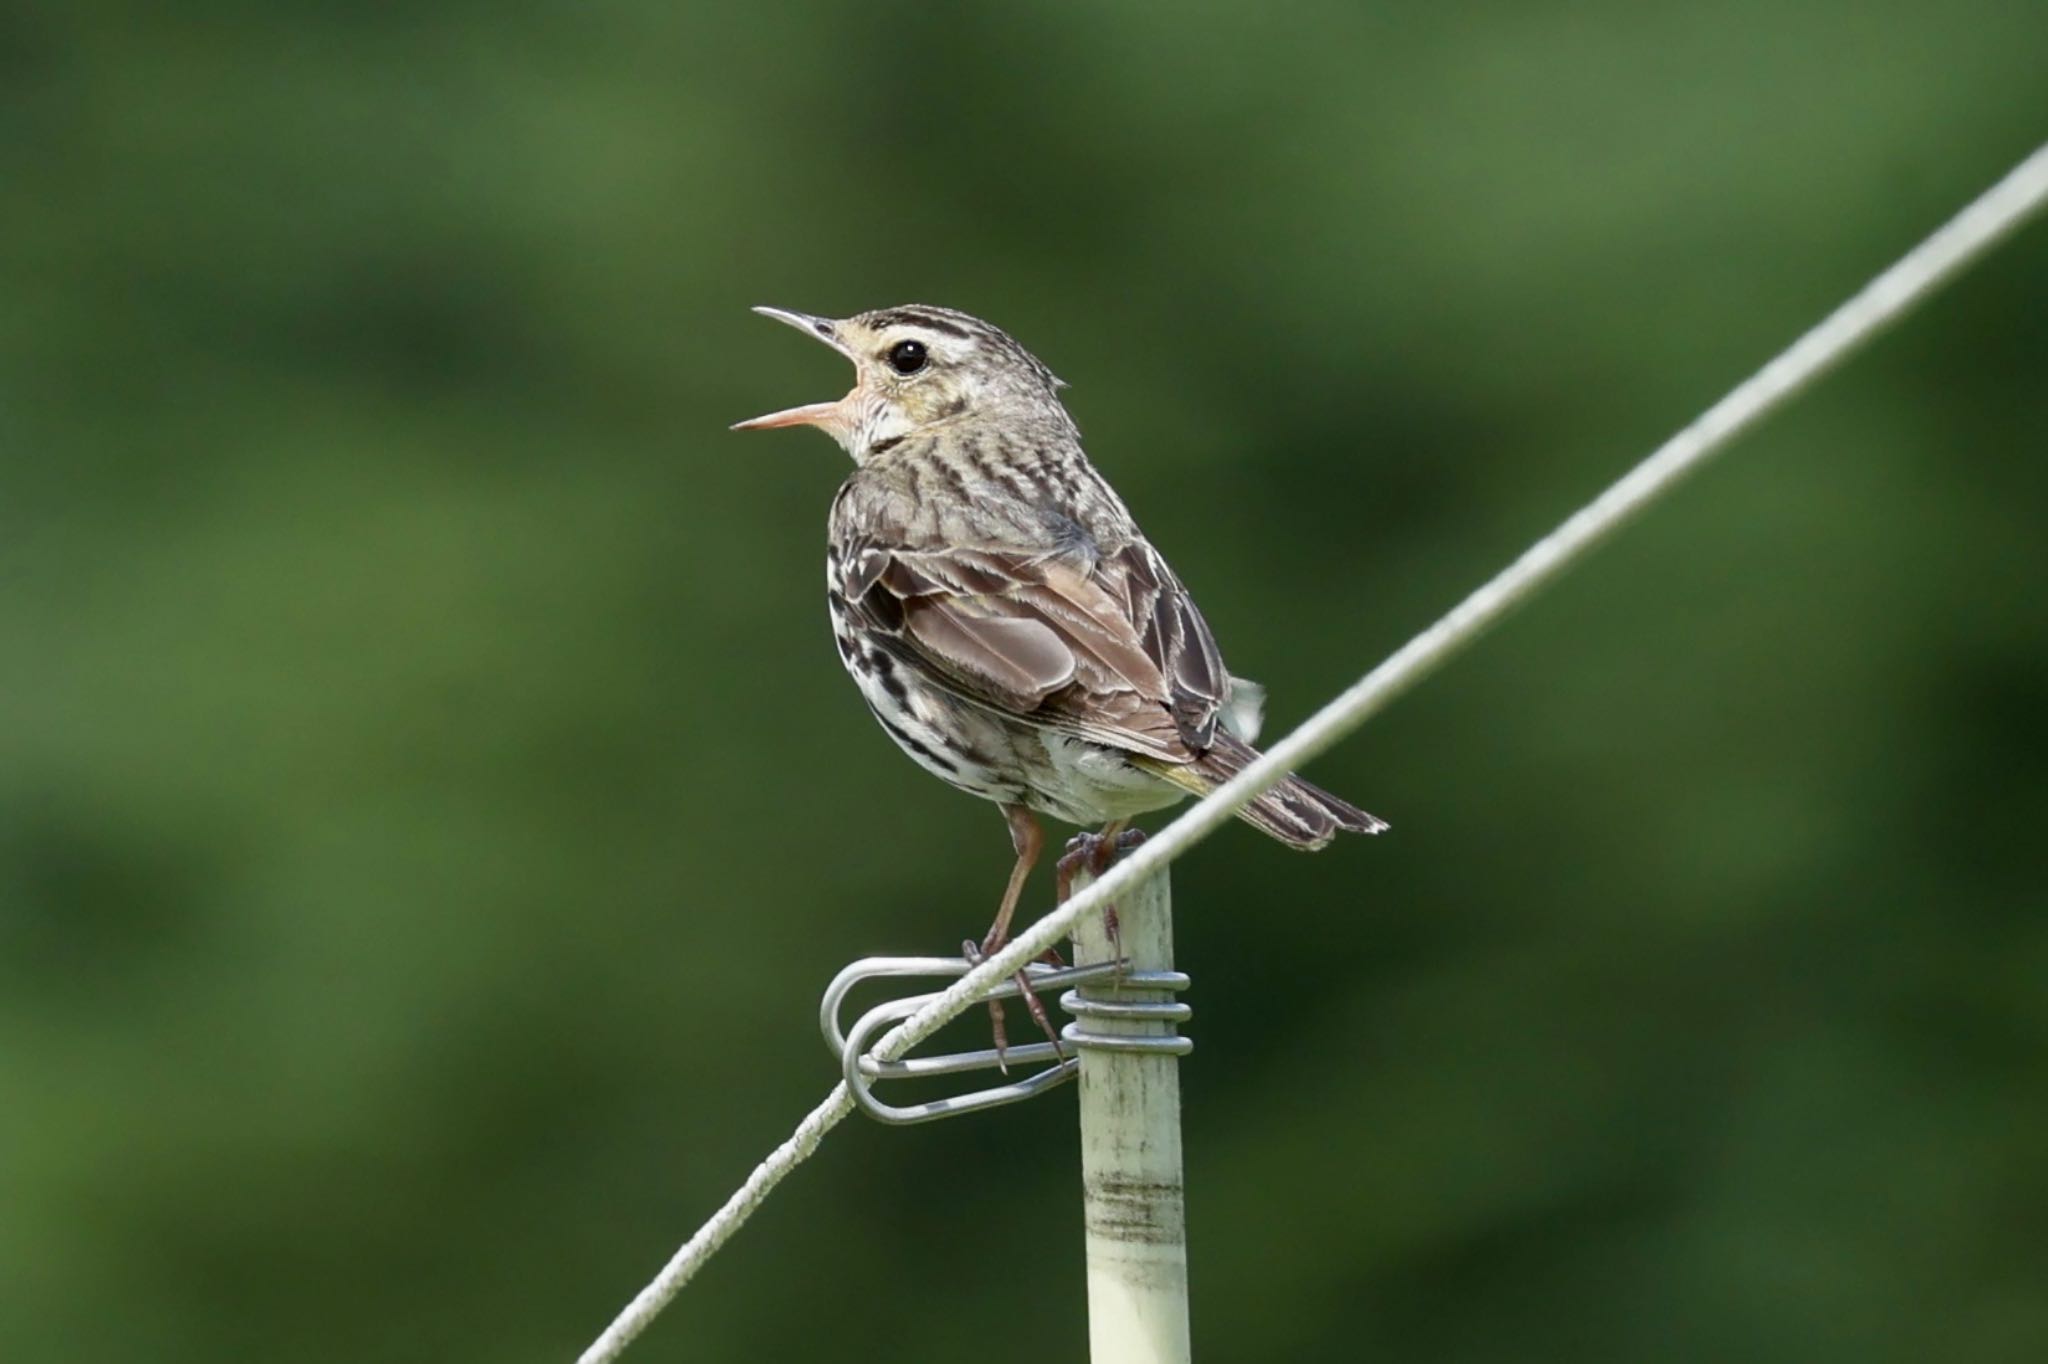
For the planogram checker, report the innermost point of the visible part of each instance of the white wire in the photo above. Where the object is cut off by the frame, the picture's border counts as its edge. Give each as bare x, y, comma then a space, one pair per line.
1964, 238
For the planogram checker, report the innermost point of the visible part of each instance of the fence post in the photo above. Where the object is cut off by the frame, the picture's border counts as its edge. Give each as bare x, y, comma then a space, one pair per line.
1130, 1136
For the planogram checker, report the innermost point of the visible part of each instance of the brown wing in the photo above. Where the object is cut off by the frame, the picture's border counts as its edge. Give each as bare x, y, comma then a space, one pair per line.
1105, 645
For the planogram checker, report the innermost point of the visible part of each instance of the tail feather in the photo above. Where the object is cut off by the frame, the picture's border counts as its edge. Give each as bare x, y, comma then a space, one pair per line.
1298, 813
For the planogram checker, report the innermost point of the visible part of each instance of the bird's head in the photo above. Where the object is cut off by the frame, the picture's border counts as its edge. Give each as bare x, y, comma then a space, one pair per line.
915, 367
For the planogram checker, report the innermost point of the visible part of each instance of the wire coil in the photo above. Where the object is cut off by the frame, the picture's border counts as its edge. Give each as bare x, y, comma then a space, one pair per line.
1166, 1014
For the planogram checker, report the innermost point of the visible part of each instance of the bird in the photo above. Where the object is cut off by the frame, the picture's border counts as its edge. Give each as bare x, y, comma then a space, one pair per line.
1006, 620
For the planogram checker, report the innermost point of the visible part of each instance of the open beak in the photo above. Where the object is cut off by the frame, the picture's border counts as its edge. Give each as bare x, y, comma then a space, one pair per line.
831, 416
826, 415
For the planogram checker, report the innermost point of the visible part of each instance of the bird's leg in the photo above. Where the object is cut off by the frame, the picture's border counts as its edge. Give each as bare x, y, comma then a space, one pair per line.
1028, 839
1097, 852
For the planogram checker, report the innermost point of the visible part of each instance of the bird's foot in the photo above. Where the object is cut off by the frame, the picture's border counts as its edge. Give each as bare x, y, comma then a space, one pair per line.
1093, 853
976, 953
1096, 853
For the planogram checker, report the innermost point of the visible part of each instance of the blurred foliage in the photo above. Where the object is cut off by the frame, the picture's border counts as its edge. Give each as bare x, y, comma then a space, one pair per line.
430, 804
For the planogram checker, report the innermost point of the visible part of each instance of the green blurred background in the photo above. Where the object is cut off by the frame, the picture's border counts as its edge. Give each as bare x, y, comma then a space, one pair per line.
430, 803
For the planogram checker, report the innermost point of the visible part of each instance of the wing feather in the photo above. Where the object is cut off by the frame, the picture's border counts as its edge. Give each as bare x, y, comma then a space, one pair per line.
1018, 660
1104, 645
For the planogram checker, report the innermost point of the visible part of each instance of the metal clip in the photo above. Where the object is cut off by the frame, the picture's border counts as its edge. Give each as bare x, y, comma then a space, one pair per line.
862, 1071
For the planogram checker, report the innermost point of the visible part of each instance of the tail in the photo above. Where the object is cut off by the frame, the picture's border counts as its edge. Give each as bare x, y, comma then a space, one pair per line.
1298, 813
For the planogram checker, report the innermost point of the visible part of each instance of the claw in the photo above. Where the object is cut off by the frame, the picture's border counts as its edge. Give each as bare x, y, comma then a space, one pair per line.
1080, 855
1037, 1011
976, 953
1125, 842
1096, 853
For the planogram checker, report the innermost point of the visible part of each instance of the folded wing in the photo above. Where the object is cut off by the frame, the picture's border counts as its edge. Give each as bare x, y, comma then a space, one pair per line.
1104, 645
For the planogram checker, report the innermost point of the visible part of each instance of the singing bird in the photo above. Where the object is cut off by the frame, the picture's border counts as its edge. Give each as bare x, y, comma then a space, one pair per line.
1005, 619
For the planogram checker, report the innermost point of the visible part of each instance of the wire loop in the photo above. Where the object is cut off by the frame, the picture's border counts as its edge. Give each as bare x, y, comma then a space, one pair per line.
863, 1071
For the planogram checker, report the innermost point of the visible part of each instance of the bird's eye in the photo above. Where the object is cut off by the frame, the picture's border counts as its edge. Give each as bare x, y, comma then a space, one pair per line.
907, 357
